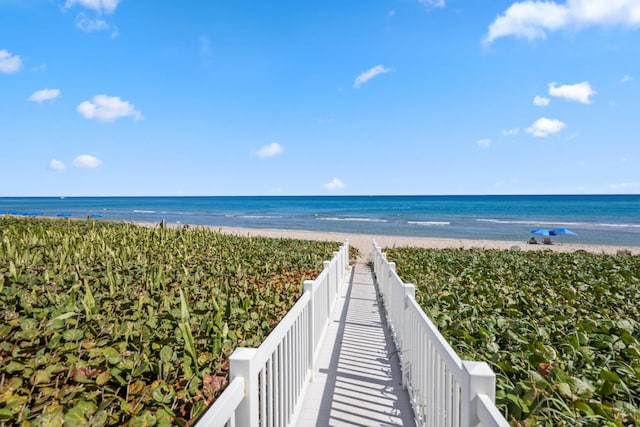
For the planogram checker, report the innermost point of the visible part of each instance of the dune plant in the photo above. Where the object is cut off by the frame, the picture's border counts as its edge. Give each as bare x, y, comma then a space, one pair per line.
113, 324
560, 330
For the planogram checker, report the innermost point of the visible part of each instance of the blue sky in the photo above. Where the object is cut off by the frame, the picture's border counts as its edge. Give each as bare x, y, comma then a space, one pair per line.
131, 97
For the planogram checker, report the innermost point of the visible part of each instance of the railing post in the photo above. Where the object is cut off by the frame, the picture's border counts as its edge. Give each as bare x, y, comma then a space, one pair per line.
383, 278
336, 274
409, 294
326, 265
481, 380
311, 328
391, 291
240, 366
345, 261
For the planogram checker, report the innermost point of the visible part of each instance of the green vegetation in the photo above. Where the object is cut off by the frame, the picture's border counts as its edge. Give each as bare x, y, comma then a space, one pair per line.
111, 324
560, 330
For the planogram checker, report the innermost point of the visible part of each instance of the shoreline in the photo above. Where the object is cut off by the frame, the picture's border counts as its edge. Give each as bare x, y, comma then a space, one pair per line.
364, 242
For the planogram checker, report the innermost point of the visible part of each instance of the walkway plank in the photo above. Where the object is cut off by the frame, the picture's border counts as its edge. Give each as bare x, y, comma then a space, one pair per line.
358, 382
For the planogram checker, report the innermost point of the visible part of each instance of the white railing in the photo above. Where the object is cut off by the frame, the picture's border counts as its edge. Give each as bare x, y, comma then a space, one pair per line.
269, 382
444, 390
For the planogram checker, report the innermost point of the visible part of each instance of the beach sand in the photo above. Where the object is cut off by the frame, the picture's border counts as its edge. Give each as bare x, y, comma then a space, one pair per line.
364, 242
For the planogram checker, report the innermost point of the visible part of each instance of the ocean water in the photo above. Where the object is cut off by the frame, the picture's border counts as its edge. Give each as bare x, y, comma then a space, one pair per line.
598, 219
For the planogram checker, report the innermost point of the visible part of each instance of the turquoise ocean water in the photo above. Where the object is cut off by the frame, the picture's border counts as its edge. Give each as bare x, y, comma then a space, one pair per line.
598, 219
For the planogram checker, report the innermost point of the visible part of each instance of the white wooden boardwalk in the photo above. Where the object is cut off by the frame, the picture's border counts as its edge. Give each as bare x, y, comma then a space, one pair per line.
358, 382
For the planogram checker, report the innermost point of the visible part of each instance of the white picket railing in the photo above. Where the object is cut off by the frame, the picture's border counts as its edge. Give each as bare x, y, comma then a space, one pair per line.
268, 382
444, 390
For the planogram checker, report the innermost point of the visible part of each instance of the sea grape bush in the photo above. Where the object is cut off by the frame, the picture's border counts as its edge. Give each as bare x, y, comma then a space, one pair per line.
560, 330
114, 324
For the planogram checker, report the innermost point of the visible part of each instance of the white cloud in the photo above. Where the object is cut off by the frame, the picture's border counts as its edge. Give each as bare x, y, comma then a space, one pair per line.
99, 6
335, 184
541, 101
578, 92
369, 74
433, 3
534, 19
9, 63
107, 109
86, 161
484, 143
44, 95
626, 78
56, 165
544, 127
88, 25
270, 150
511, 132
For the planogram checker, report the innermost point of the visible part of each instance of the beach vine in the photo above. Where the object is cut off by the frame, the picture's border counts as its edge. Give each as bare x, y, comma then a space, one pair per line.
114, 324
560, 330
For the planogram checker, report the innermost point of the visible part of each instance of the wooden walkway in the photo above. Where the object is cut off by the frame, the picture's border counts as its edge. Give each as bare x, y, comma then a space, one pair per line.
358, 381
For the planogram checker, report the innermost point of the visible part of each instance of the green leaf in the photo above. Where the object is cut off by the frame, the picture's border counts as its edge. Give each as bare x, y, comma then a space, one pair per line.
53, 419
12, 269
163, 395
140, 369
565, 390
609, 376
14, 367
73, 335
40, 377
103, 378
164, 418
80, 415
184, 308
5, 414
146, 419
88, 301
65, 316
582, 406
583, 388
166, 354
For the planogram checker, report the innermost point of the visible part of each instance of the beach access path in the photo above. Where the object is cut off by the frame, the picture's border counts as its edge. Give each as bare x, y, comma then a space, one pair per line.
358, 380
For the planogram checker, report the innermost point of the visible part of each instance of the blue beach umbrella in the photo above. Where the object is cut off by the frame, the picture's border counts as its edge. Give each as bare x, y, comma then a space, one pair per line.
541, 231
563, 231
64, 214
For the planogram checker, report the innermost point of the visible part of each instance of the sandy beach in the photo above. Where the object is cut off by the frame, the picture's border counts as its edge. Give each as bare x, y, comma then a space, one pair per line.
364, 242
